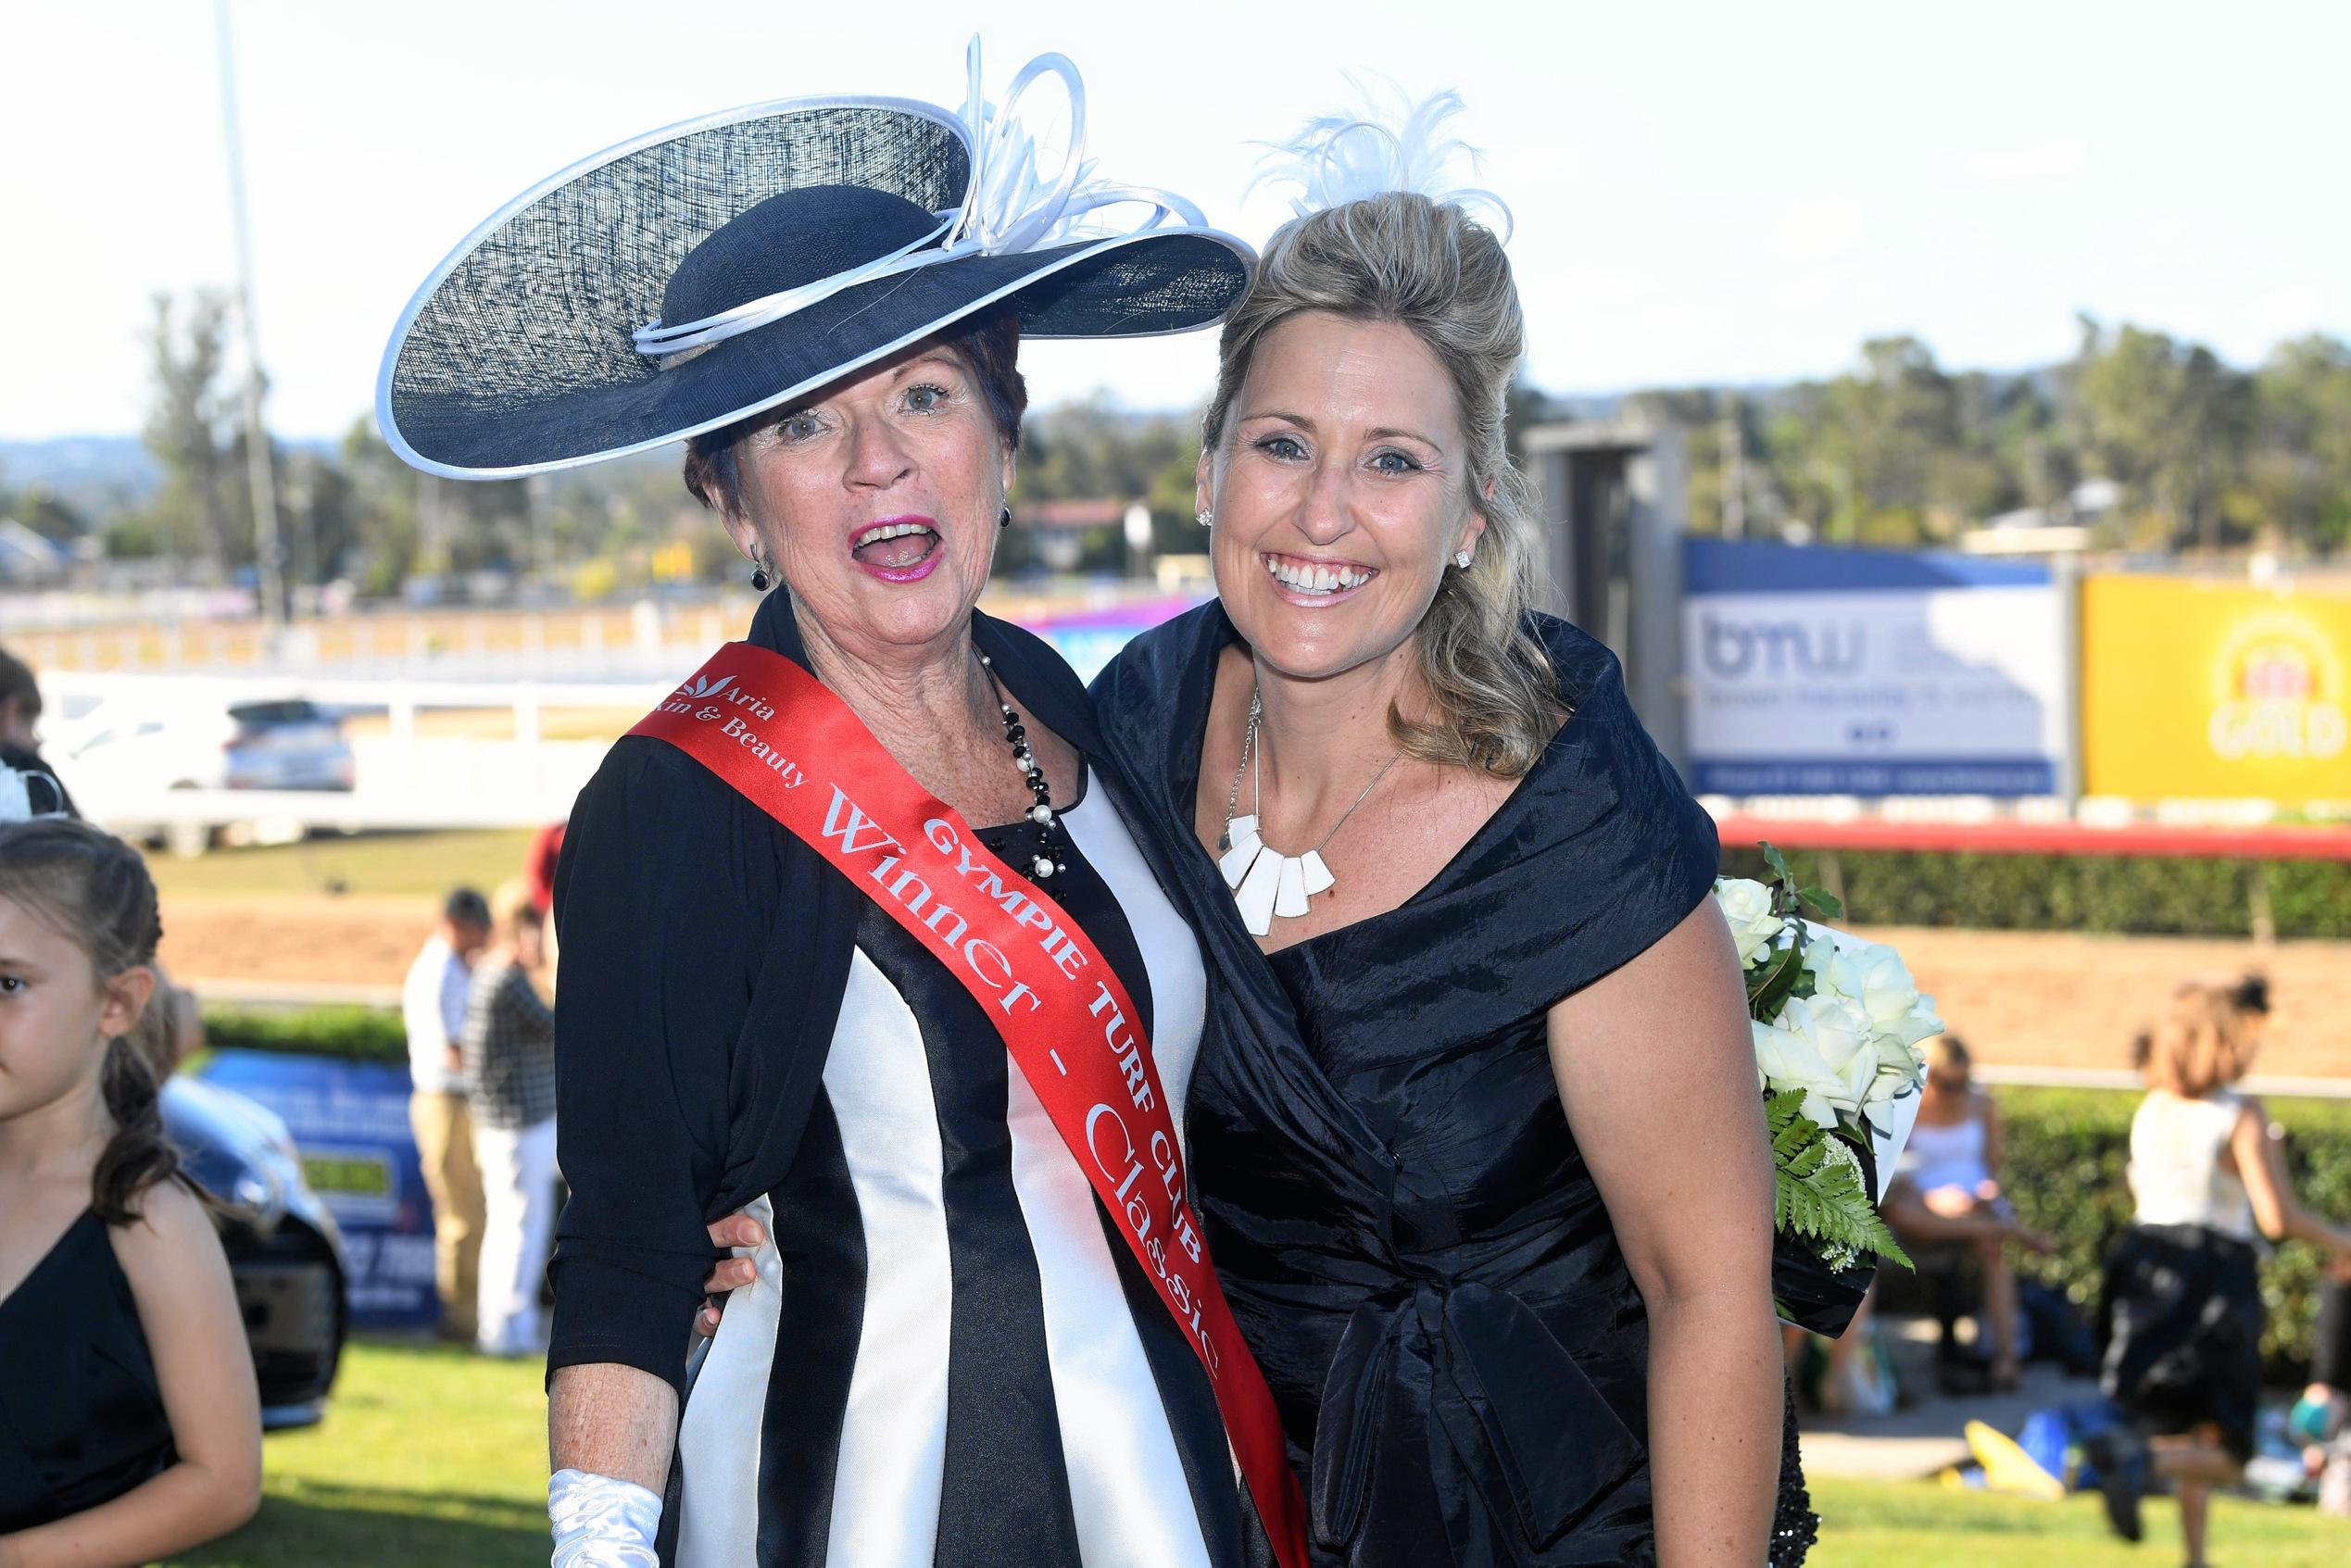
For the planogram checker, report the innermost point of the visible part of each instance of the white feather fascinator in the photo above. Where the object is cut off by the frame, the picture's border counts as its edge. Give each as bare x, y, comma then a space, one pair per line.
1392, 145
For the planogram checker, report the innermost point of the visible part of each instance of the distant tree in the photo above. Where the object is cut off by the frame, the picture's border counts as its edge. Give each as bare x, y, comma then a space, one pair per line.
2297, 479
2031, 444
43, 510
381, 512
189, 421
2165, 418
130, 537
1523, 404
1174, 502
1095, 451
322, 502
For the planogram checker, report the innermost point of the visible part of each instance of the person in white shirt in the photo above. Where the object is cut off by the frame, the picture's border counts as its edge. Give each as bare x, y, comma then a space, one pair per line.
433, 1008
2182, 1290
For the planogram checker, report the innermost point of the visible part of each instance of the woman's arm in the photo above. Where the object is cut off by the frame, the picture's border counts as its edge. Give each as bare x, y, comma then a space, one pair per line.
613, 1420
1657, 1059
2277, 1208
661, 945
188, 1309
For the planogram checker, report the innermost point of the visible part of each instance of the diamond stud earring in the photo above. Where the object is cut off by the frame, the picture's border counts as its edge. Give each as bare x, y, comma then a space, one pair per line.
1205, 519
1461, 558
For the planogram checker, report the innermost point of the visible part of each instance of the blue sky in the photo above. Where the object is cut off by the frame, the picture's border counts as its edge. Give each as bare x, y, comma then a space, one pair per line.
1704, 193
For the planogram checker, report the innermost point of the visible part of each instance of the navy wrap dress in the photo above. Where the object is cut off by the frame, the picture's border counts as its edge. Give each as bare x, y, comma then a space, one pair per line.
1411, 1241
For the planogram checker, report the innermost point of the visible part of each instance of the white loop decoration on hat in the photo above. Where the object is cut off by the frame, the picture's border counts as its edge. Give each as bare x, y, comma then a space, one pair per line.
1337, 158
1008, 209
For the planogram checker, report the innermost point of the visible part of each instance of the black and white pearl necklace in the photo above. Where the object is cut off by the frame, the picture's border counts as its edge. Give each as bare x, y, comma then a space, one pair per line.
1047, 862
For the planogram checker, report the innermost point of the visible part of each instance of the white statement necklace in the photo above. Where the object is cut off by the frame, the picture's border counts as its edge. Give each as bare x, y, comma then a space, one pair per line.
1266, 881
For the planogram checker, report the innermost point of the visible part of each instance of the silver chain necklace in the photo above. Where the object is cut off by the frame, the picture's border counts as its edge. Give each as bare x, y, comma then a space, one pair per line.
1266, 881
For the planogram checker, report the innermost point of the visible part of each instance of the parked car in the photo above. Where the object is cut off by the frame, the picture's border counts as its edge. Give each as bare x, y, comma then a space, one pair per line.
129, 745
285, 1255
277, 742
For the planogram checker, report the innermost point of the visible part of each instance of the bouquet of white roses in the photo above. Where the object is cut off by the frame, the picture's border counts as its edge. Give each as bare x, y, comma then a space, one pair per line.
1837, 1022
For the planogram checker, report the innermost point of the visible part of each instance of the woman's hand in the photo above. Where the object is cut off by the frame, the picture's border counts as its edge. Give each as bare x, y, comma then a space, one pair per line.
727, 1274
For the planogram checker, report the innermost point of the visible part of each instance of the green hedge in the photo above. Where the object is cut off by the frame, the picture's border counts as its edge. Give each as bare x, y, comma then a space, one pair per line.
2065, 1154
2067, 1151
350, 1034
2138, 895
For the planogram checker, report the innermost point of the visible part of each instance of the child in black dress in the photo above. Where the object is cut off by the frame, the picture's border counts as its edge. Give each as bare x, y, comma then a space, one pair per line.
129, 1427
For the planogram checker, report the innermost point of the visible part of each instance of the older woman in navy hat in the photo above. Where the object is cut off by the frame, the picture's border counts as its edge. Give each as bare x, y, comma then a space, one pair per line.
946, 1355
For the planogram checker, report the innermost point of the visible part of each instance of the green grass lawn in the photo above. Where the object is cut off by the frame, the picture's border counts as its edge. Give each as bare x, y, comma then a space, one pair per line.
428, 1456
434, 1457
383, 865
1925, 1525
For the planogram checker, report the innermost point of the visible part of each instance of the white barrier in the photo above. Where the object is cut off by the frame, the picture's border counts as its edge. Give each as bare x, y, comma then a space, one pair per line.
402, 779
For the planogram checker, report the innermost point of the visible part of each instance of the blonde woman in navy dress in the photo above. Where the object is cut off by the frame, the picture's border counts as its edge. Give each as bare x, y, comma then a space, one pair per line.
1475, 1130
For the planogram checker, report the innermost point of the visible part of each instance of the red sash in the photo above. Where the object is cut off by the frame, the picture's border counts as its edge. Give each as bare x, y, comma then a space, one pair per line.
795, 750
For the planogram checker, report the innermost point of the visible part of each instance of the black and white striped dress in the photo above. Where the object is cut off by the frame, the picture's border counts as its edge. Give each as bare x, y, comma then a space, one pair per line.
949, 1360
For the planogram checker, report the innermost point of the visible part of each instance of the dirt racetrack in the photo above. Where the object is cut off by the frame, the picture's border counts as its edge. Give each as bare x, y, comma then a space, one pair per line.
2039, 999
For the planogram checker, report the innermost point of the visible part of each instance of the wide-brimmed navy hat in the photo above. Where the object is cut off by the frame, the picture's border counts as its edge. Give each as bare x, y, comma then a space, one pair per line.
701, 273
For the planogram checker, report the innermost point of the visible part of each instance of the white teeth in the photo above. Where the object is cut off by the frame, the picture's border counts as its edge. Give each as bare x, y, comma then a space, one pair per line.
1315, 579
893, 530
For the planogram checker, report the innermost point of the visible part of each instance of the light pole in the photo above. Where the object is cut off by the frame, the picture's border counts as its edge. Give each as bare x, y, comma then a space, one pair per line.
261, 471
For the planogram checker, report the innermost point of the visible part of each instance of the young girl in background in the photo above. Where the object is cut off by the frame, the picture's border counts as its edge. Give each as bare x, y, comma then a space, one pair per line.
129, 1427
2183, 1288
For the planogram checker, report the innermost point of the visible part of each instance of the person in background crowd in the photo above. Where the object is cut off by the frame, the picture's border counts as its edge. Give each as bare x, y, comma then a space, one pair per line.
433, 1005
539, 873
1854, 1382
19, 724
2183, 1289
2318, 1417
1947, 1189
129, 1426
538, 865
509, 1064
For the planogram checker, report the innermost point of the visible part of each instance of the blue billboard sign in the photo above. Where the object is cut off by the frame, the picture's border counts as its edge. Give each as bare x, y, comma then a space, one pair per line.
1819, 670
349, 1120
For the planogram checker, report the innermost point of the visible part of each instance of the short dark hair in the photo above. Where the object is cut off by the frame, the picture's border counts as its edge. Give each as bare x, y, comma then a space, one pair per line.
990, 343
2251, 994
18, 686
465, 907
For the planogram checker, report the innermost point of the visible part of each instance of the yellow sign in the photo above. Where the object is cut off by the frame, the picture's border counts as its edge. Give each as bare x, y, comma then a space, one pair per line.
2197, 690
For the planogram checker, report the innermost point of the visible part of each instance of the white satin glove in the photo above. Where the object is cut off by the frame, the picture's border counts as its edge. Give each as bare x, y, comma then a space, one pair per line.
601, 1522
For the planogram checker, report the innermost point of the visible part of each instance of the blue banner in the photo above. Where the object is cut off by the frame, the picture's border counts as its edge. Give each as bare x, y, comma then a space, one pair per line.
1817, 670
351, 1126
1841, 775
1757, 566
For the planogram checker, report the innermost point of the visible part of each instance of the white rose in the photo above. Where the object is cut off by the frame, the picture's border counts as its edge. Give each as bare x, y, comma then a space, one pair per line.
1823, 1047
1747, 906
1785, 1060
1901, 1068
1874, 978
1921, 1023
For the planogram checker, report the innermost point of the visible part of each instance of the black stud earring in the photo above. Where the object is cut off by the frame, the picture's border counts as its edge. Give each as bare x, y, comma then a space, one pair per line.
1004, 519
